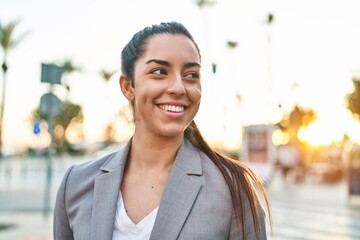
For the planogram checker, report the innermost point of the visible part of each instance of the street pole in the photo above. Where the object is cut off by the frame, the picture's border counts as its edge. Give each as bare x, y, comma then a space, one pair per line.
49, 162
50, 106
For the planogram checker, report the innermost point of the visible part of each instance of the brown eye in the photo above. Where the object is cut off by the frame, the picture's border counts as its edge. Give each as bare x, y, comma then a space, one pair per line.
159, 72
192, 75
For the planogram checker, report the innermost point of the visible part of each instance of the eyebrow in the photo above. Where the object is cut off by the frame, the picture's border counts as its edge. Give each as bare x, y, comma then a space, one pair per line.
192, 64
167, 64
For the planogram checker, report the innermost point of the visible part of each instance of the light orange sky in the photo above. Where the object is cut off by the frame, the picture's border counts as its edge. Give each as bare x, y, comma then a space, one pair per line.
313, 44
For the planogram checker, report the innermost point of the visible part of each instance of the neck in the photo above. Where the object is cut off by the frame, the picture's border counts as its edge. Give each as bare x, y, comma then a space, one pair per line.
155, 154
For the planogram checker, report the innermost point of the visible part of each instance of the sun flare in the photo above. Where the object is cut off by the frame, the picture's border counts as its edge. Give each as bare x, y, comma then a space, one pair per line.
320, 133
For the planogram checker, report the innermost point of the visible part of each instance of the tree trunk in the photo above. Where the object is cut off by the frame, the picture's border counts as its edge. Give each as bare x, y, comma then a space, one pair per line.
2, 107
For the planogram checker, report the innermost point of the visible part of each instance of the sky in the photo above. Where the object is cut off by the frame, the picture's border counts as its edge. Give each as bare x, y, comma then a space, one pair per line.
307, 56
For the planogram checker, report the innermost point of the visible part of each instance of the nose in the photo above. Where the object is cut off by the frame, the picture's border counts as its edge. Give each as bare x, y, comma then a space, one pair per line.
176, 85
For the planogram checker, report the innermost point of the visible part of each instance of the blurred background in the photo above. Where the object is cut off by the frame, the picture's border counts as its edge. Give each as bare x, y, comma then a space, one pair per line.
281, 91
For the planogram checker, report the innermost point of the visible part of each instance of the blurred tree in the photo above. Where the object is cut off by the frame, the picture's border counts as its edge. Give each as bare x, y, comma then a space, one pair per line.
269, 21
71, 111
110, 130
297, 118
353, 99
291, 123
106, 75
7, 41
232, 44
270, 18
203, 3
69, 68
126, 114
70, 114
111, 133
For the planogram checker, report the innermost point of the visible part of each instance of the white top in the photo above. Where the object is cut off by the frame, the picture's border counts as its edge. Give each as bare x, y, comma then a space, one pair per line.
124, 228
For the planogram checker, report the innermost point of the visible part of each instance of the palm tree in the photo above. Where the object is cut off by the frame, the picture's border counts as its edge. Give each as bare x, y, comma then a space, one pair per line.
69, 68
202, 3
106, 75
7, 42
297, 118
70, 114
110, 131
269, 21
353, 99
125, 114
71, 111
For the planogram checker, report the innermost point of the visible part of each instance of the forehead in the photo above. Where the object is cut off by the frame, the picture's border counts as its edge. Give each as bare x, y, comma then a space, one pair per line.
170, 45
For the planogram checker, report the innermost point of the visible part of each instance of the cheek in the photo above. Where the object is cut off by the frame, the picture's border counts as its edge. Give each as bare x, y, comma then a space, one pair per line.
195, 93
144, 96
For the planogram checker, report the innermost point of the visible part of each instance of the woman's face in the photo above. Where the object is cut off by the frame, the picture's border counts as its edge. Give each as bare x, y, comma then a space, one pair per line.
167, 88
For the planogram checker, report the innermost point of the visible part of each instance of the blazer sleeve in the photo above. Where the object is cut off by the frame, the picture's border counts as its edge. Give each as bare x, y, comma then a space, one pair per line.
62, 229
236, 230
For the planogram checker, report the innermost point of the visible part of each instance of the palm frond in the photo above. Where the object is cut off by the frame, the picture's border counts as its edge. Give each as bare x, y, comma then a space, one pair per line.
69, 66
7, 40
106, 75
203, 3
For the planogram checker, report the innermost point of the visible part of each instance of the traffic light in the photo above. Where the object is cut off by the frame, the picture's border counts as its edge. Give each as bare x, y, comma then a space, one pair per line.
214, 66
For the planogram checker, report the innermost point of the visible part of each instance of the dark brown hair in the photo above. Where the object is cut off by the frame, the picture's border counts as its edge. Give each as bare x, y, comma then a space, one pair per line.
239, 178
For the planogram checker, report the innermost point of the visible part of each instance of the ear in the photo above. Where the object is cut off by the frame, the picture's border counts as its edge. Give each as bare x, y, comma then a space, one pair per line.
126, 88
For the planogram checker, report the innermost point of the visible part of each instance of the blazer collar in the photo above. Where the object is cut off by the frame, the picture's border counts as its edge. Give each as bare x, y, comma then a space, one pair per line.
177, 200
106, 192
179, 194
118, 160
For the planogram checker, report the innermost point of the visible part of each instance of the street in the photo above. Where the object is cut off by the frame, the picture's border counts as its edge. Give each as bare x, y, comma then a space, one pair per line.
306, 211
313, 210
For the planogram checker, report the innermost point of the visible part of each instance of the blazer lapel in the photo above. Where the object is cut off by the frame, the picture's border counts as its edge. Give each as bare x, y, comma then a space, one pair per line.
106, 192
179, 194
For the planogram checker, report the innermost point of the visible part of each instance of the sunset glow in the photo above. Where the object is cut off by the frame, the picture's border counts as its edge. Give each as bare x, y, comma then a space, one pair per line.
320, 133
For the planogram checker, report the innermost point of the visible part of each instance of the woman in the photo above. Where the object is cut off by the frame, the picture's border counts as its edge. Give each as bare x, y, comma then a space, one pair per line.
166, 183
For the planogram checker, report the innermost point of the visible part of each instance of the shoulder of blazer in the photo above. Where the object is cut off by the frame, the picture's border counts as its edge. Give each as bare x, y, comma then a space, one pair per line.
88, 171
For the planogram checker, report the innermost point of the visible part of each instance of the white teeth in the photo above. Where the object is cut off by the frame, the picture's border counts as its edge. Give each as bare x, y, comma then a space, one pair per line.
172, 108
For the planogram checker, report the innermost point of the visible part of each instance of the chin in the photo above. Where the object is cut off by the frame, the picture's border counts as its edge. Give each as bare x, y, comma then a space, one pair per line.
173, 131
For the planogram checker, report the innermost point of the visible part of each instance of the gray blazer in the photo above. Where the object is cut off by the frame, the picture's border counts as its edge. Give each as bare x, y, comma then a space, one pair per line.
196, 203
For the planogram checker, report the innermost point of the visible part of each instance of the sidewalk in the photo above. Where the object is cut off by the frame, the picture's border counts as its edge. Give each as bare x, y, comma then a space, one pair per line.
26, 226
23, 216
22, 198
313, 210
312, 192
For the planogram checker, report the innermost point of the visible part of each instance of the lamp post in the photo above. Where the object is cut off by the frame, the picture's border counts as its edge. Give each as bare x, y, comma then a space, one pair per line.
50, 106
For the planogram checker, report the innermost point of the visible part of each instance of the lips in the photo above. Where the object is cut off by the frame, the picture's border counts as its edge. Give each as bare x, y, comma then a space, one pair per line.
172, 108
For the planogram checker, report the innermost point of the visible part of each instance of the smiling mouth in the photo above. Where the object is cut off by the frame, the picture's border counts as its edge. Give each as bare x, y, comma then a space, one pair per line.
172, 108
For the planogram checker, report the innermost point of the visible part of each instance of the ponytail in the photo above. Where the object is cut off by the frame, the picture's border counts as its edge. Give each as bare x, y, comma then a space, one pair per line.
238, 177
